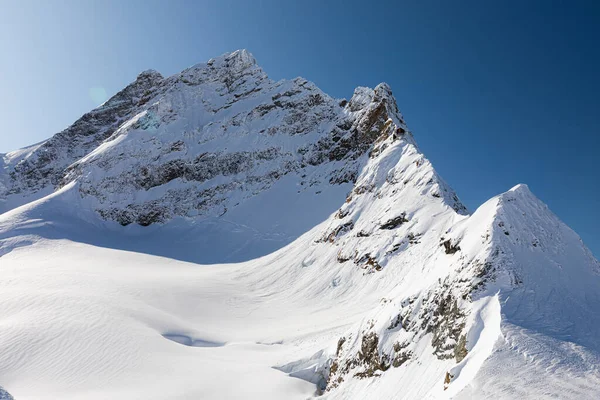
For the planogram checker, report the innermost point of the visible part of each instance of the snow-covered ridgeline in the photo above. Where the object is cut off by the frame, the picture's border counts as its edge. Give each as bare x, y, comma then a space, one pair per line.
387, 288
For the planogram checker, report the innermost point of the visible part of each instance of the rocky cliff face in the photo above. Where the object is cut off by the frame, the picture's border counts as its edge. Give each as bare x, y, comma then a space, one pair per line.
44, 165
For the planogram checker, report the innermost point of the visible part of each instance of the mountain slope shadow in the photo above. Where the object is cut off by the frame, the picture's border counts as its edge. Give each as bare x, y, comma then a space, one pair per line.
256, 228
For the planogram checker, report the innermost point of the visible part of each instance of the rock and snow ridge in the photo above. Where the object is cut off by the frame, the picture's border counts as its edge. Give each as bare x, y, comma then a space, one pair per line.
386, 287
205, 143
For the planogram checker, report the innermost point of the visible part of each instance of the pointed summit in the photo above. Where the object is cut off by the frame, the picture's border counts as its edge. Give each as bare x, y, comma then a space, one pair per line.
236, 60
241, 57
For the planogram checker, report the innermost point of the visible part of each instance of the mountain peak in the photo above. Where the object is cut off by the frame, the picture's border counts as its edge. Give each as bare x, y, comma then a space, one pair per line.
379, 103
236, 60
232, 69
152, 73
520, 191
242, 56
383, 88
521, 188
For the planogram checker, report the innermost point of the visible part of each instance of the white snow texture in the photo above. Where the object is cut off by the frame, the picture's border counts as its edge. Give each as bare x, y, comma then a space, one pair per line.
218, 235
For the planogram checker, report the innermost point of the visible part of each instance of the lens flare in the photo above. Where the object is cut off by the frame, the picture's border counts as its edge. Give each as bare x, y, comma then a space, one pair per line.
98, 95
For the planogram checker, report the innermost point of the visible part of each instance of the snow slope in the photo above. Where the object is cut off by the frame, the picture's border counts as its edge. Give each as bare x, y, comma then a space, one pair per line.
374, 281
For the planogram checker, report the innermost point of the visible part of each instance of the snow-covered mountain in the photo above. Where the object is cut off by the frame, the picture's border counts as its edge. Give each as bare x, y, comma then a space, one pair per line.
214, 142
374, 281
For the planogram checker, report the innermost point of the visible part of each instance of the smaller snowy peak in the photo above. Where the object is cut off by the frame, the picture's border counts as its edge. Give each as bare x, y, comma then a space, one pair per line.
526, 240
512, 262
521, 190
542, 267
526, 221
521, 199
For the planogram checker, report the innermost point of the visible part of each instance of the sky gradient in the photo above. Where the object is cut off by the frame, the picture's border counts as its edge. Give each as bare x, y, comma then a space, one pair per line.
496, 93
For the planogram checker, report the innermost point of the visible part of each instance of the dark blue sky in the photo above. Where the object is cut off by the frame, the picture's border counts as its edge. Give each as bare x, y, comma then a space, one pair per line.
496, 92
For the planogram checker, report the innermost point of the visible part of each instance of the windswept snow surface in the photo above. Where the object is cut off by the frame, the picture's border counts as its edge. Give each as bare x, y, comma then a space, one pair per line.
373, 282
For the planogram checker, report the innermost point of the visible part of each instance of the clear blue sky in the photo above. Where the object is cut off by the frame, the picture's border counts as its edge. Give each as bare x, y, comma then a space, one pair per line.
496, 92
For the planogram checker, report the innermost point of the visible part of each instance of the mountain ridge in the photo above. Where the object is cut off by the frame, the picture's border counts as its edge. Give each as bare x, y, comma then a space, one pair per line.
352, 264
214, 132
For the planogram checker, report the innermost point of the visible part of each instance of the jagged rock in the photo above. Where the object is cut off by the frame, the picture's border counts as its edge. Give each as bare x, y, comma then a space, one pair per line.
449, 247
369, 263
338, 231
460, 351
396, 322
369, 357
394, 222
401, 355
447, 380
446, 324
